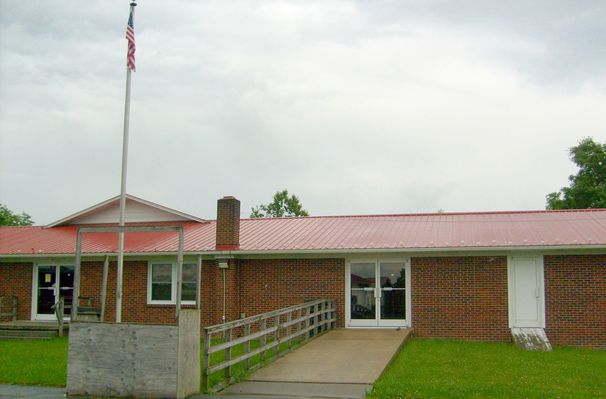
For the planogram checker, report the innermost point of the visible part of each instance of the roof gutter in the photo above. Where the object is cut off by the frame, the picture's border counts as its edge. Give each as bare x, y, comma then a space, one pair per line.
322, 252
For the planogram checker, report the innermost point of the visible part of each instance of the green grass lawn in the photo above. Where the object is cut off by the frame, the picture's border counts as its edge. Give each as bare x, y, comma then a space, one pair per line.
423, 369
454, 369
45, 362
41, 362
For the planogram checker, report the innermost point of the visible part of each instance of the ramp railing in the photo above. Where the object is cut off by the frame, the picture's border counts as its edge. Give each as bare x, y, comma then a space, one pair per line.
249, 343
59, 308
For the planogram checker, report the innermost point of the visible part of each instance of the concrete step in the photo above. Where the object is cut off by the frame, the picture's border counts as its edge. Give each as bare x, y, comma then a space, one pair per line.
21, 338
88, 316
296, 390
26, 325
26, 334
531, 339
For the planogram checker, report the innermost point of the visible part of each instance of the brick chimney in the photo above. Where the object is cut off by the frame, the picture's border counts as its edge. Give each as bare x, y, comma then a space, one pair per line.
228, 223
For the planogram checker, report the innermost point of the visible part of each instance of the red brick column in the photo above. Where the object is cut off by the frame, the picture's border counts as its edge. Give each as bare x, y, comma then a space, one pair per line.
228, 223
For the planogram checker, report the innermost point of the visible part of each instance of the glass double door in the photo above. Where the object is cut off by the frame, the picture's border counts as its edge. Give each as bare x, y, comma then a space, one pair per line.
53, 282
378, 294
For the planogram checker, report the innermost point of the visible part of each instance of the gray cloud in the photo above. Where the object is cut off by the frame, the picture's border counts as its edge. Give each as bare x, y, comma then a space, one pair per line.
358, 107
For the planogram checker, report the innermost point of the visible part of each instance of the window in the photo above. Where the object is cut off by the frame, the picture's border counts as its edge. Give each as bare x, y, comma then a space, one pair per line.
188, 285
162, 283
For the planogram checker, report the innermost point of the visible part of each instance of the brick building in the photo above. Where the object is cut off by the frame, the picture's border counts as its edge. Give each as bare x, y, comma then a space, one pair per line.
467, 276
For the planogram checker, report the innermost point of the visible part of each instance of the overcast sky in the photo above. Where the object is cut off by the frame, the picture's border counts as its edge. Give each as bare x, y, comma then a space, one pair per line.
358, 107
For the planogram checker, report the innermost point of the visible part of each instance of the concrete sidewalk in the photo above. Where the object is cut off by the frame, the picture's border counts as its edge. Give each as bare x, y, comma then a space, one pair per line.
262, 391
342, 363
21, 391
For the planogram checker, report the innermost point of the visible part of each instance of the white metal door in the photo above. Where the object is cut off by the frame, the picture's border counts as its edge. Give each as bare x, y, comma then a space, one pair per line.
379, 294
526, 299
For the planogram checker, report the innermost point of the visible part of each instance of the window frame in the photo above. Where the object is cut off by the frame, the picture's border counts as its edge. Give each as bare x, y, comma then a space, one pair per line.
173, 284
195, 282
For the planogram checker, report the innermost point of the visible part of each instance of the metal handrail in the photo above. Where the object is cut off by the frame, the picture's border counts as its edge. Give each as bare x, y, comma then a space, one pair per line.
270, 330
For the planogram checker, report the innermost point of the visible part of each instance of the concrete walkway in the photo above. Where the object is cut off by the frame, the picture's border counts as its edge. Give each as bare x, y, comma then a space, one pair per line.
21, 391
342, 363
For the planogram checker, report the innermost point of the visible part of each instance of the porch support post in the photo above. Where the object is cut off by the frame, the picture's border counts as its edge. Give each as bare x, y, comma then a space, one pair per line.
120, 273
104, 287
199, 283
179, 272
76, 294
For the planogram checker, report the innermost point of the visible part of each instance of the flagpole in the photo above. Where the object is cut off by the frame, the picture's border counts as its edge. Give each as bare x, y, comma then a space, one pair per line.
120, 270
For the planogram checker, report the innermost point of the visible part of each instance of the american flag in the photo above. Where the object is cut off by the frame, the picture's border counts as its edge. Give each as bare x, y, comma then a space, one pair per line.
130, 37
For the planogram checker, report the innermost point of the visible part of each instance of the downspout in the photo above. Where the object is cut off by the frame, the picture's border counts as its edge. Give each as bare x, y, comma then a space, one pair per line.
224, 296
224, 264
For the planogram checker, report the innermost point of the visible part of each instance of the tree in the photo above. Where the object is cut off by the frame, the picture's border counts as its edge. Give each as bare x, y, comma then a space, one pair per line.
588, 187
282, 205
9, 218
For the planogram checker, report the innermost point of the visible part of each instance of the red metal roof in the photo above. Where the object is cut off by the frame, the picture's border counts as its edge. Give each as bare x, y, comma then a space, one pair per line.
415, 231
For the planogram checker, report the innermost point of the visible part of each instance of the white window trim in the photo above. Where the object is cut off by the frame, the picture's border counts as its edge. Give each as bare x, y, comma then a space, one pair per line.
173, 288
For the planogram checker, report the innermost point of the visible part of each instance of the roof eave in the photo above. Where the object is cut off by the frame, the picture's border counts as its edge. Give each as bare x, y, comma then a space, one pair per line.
596, 248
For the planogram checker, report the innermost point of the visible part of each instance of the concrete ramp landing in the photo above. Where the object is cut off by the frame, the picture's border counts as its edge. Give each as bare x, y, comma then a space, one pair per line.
342, 363
531, 339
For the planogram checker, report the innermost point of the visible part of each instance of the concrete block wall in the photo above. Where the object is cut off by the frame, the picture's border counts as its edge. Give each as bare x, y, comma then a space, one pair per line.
135, 360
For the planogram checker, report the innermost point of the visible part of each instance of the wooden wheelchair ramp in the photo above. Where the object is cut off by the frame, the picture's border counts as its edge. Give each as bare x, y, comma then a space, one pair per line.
342, 363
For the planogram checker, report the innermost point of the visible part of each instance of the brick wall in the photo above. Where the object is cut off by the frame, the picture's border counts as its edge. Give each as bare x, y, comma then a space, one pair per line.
134, 297
460, 297
16, 279
213, 298
452, 297
268, 284
135, 308
288, 282
209, 314
575, 300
